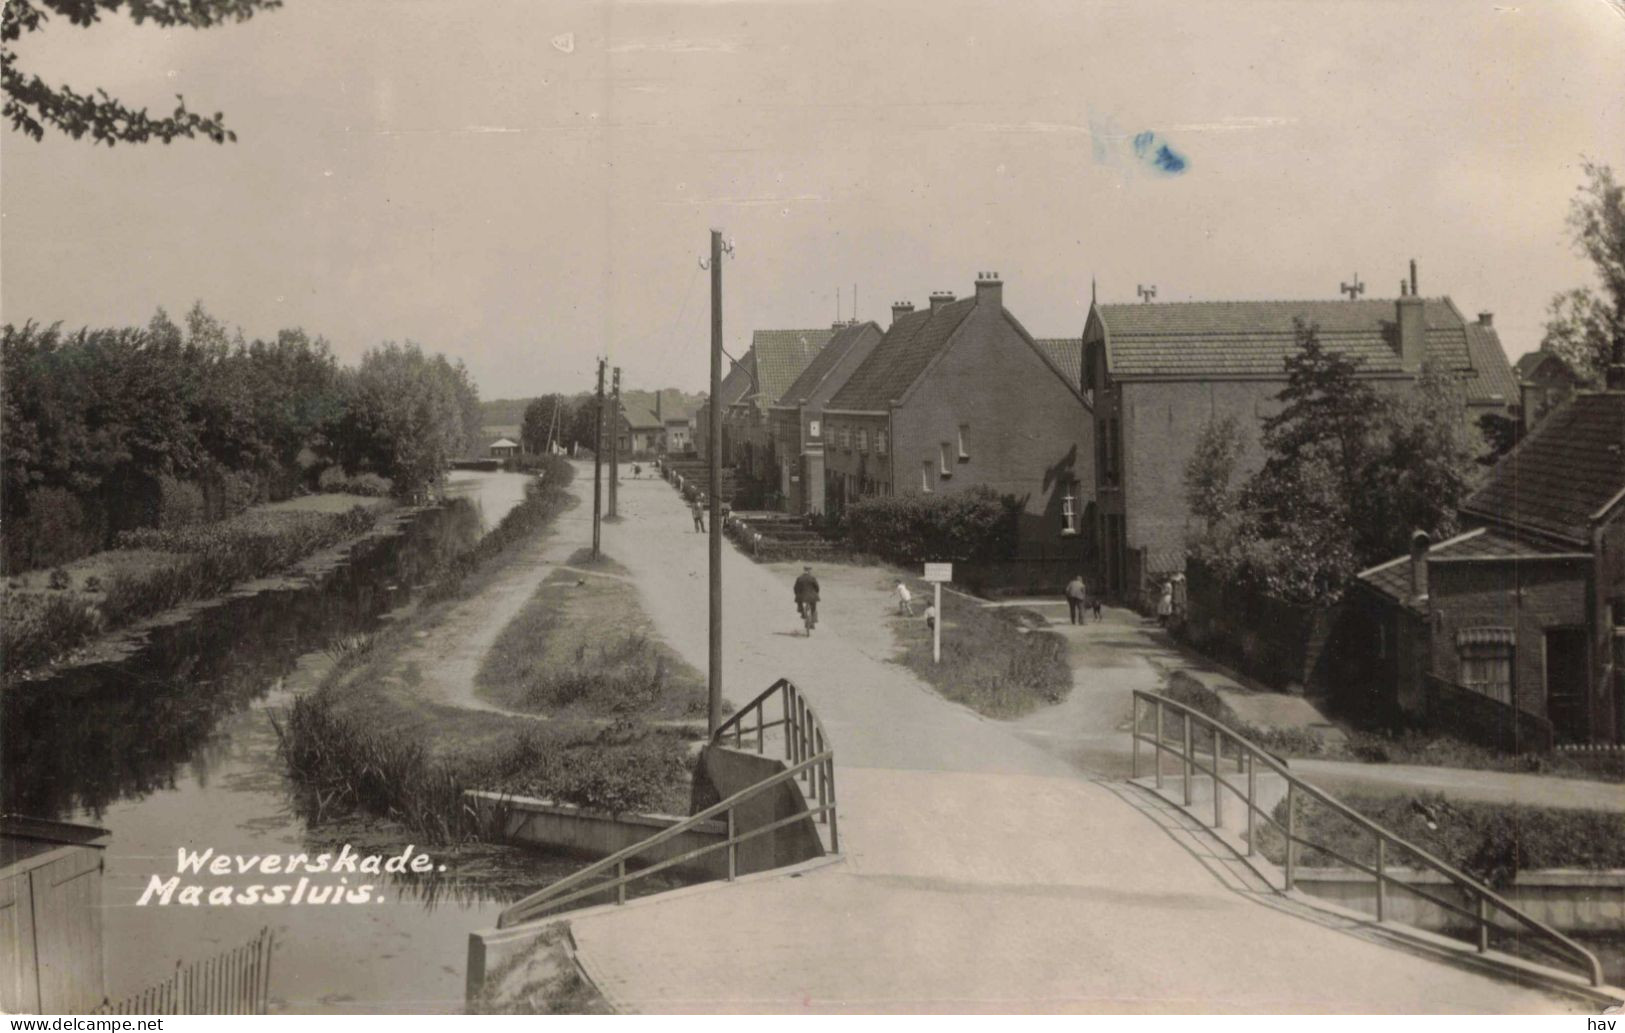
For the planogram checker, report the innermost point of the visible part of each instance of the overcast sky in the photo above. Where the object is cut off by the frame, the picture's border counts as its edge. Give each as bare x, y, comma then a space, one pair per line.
528, 184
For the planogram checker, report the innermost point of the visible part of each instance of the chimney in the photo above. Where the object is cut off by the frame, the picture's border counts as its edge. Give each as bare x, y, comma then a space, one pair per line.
1486, 319
1419, 563
657, 408
899, 309
1411, 325
941, 298
989, 290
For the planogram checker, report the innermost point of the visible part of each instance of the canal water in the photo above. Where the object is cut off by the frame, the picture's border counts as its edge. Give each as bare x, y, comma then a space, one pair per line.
173, 748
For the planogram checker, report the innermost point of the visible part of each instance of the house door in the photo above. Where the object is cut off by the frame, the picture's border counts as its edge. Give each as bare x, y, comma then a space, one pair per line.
1566, 678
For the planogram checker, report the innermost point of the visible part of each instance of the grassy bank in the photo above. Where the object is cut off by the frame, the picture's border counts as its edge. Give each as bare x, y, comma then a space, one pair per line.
582, 646
1399, 747
368, 741
1491, 842
994, 660
47, 615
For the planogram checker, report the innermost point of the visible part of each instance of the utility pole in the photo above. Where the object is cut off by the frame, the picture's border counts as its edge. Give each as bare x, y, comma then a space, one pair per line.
598, 461
714, 444
614, 442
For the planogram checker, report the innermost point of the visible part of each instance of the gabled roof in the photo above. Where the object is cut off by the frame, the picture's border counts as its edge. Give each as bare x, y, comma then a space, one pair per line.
1536, 361
639, 418
736, 384
901, 356
1067, 355
1564, 474
824, 363
1491, 381
1217, 339
503, 443
778, 357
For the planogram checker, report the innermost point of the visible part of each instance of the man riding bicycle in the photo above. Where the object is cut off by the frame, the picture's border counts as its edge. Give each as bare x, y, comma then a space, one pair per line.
807, 597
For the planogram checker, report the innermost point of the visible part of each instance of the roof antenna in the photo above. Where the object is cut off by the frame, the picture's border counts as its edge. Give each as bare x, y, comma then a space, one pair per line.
1091, 290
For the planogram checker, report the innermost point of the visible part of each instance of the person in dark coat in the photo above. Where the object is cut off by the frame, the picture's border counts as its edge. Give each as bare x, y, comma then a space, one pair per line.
1076, 596
807, 594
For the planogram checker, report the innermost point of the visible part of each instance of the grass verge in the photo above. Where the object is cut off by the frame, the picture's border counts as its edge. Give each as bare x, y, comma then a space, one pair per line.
1492, 842
366, 742
994, 661
583, 646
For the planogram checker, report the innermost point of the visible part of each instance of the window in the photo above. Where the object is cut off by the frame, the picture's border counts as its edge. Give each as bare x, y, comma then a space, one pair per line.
846, 438
925, 475
946, 470
880, 442
964, 456
863, 441
1486, 661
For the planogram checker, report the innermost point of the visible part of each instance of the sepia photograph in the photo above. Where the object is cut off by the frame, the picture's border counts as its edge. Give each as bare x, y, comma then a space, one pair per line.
786, 507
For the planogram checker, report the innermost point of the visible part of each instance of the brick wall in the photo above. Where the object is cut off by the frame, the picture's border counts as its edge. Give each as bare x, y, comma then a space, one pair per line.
1478, 594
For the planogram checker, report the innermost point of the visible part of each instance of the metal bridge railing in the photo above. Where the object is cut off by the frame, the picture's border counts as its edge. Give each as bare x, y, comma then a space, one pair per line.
811, 760
1485, 909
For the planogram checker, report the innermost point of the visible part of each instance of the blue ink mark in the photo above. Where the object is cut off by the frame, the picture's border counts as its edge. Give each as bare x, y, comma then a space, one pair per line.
1158, 155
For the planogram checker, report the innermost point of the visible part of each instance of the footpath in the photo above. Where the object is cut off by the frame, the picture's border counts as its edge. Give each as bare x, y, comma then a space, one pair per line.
981, 873
1124, 652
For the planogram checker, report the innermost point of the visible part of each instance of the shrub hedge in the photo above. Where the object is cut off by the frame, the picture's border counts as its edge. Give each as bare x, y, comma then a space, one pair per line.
973, 525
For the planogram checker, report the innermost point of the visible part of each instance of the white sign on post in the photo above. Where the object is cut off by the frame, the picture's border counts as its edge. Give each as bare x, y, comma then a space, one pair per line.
937, 573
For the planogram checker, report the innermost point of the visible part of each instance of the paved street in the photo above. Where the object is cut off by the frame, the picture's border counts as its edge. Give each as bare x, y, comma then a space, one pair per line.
982, 873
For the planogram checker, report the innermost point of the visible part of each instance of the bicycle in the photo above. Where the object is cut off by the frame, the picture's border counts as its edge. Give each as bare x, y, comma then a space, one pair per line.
809, 616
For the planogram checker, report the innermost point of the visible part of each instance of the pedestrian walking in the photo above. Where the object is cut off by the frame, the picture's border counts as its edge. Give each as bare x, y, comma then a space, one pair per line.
1165, 605
930, 615
1076, 598
698, 509
905, 599
806, 591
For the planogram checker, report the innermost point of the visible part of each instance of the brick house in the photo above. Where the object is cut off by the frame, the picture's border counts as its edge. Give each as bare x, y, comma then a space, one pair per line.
1528, 606
795, 422
960, 394
1158, 374
1545, 382
639, 432
736, 383
776, 358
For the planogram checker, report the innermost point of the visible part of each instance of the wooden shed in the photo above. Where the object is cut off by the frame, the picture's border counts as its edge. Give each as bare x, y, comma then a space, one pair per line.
50, 916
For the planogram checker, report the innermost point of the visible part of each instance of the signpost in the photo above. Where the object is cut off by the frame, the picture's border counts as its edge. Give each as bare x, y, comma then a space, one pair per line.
937, 573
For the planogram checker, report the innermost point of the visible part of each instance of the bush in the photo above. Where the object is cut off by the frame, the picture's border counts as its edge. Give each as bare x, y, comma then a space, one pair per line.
334, 481
41, 628
180, 503
54, 526
961, 527
60, 581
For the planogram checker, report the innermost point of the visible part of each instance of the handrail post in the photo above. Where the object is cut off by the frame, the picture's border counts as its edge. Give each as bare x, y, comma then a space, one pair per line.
1291, 835
1134, 738
733, 848
1158, 750
784, 701
1186, 757
761, 736
1218, 804
834, 812
823, 785
1252, 799
1483, 924
620, 883
1382, 878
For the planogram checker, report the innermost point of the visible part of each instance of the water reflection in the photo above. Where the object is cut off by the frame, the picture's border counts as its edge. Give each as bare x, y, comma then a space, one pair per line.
174, 748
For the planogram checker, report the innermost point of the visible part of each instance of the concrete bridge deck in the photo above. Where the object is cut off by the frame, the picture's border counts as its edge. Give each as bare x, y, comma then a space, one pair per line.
981, 873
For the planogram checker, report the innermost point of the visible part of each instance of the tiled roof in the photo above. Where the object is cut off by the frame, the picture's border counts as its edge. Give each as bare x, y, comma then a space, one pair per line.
901, 356
1254, 338
639, 418
779, 356
1528, 364
1569, 467
1067, 354
736, 383
826, 360
1393, 579
1491, 381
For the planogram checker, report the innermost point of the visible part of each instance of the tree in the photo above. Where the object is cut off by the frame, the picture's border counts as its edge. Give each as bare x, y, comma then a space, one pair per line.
1584, 326
1212, 468
1421, 470
1501, 433
584, 425
32, 104
546, 422
405, 416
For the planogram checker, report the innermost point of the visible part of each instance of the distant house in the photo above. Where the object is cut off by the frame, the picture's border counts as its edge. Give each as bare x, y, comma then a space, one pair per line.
679, 431
1512, 632
736, 383
960, 394
1159, 374
1544, 382
502, 448
775, 359
639, 432
795, 422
